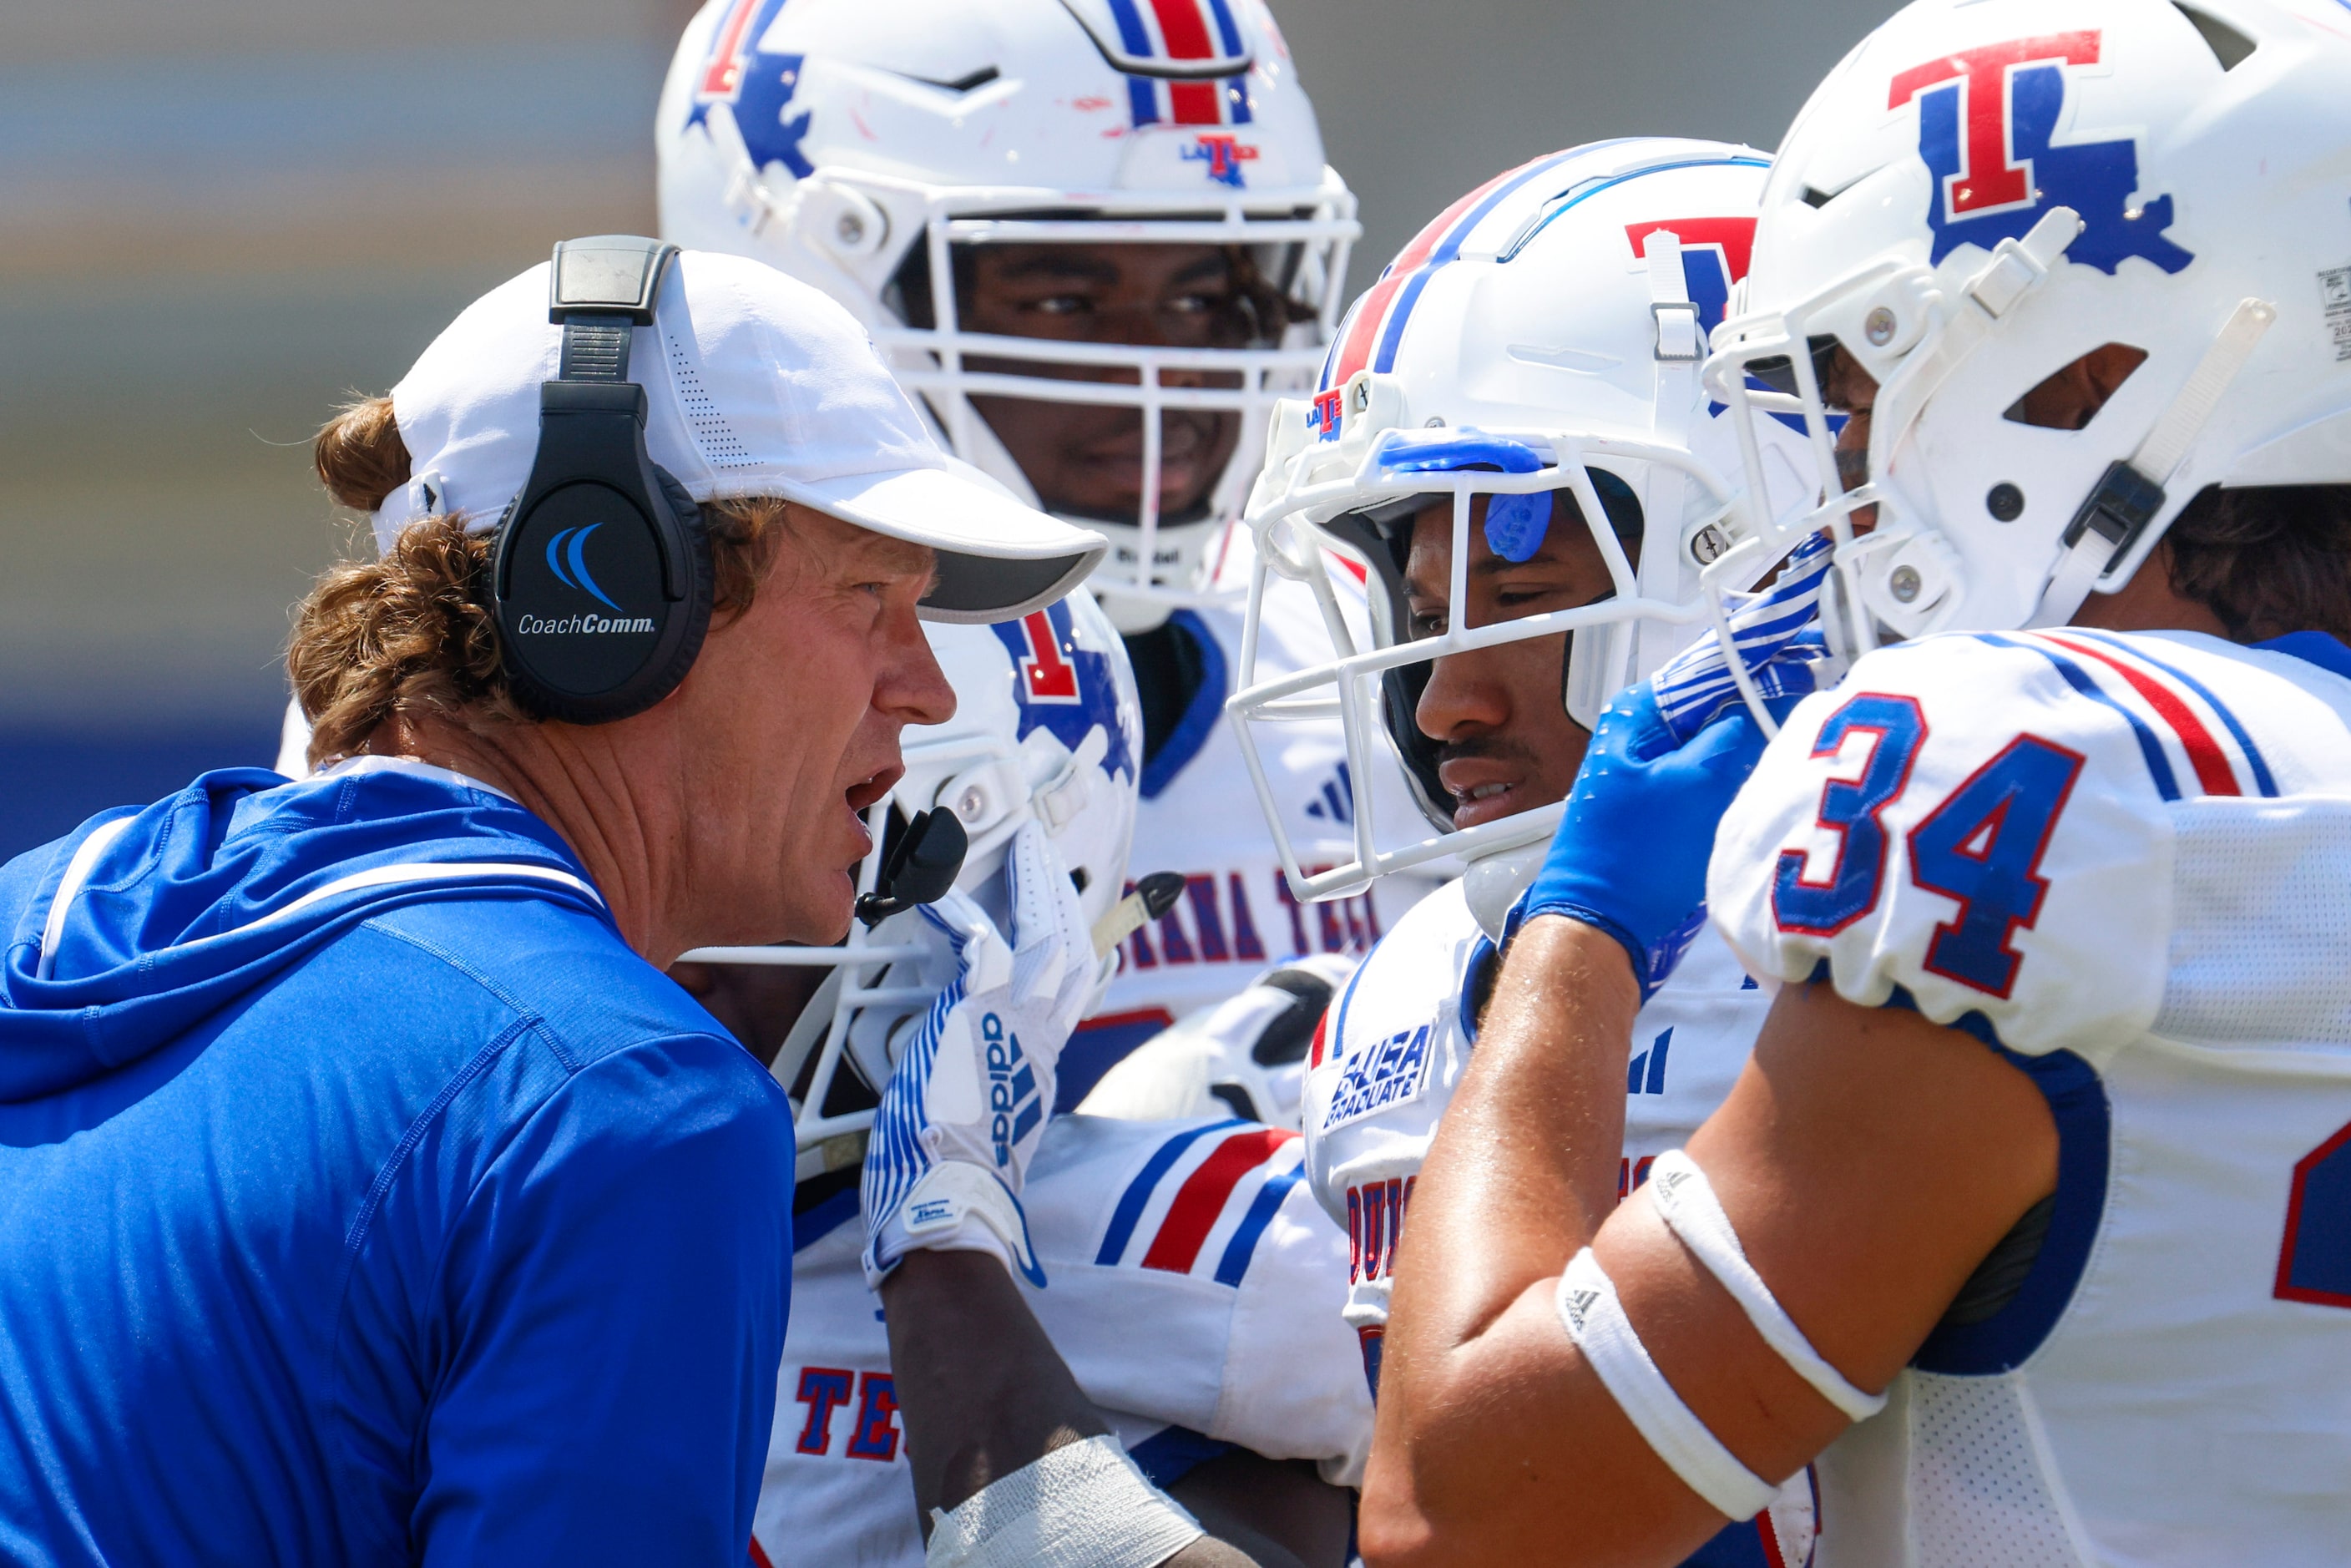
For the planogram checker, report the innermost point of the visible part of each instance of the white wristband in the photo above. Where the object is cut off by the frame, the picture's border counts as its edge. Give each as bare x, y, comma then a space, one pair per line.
1685, 1199
956, 1208
1083, 1505
1596, 1322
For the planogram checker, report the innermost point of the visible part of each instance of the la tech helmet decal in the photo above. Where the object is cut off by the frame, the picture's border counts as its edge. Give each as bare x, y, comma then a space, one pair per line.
1063, 687
1987, 118
1224, 153
758, 86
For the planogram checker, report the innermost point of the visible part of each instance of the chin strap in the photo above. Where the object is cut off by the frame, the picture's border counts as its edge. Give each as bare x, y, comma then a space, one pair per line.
2131, 492
1669, 420
1679, 341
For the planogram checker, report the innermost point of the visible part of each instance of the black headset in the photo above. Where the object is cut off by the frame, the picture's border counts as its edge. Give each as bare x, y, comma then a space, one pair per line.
602, 579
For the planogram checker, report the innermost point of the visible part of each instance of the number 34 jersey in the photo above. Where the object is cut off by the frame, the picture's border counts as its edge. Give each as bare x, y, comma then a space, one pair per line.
2124, 862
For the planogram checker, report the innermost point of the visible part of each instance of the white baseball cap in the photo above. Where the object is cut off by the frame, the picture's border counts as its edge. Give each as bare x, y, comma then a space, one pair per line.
758, 386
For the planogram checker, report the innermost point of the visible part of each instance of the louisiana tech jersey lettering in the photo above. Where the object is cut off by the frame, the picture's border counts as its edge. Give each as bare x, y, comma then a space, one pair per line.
1398, 1039
1392, 1051
1191, 1285
1200, 817
2125, 861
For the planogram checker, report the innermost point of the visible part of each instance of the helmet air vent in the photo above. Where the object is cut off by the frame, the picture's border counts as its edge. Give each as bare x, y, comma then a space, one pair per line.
2230, 47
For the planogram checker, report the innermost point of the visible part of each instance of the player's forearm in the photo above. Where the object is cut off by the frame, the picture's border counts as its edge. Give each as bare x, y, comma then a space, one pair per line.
1520, 1176
981, 1391
1522, 1170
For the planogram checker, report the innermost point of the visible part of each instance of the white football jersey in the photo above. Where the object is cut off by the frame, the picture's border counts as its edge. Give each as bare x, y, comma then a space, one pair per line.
1391, 1053
2124, 862
1191, 1285
1200, 817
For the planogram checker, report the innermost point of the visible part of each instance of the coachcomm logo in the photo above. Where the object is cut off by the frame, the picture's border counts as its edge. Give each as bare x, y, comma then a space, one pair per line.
566, 557
545, 626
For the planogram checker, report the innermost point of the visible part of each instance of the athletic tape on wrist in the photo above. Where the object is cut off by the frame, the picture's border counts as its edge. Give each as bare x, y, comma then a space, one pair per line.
1595, 1321
956, 1208
1685, 1199
1083, 1505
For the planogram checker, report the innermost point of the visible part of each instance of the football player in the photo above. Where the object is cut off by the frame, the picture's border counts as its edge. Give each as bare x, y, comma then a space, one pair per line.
1181, 1282
2026, 1223
1096, 239
1546, 327
1013, 1462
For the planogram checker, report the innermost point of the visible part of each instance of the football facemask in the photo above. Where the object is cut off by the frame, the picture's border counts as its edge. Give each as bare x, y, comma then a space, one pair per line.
1520, 386
876, 152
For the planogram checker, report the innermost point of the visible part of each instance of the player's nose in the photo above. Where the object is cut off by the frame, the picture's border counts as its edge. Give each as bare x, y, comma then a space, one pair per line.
1461, 698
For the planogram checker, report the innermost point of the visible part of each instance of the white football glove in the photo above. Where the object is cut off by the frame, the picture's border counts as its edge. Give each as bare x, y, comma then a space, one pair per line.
967, 1103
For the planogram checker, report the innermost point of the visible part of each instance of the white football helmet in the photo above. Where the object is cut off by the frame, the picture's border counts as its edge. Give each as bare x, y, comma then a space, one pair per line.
1541, 335
866, 149
1984, 191
1047, 727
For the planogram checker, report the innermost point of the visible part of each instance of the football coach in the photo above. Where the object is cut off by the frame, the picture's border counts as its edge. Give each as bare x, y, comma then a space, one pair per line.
368, 1194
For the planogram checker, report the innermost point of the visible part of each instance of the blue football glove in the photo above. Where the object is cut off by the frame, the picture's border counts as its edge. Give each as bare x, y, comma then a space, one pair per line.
1670, 755
966, 1105
1630, 855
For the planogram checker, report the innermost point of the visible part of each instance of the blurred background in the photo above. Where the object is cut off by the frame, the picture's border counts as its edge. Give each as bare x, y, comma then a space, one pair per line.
220, 217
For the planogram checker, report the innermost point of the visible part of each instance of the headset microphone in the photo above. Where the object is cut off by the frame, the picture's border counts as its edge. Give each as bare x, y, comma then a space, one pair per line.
921, 868
602, 580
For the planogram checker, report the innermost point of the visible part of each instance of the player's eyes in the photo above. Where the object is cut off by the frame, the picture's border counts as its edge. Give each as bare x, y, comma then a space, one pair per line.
1426, 623
1060, 305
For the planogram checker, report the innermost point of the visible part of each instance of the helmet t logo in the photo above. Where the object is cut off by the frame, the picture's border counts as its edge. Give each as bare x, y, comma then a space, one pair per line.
1985, 120
722, 72
759, 85
1986, 179
1046, 675
1323, 415
1224, 153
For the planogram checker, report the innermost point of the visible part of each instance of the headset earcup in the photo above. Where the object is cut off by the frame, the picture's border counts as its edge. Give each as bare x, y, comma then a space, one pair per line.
519, 592
694, 537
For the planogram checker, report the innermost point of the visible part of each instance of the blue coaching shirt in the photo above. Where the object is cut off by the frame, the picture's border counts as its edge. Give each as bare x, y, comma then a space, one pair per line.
363, 1198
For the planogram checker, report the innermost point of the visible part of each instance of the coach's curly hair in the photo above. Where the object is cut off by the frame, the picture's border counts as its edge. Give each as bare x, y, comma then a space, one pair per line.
410, 634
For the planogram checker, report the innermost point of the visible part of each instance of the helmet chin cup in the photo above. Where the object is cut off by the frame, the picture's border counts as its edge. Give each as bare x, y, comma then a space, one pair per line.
1491, 883
1134, 615
1182, 574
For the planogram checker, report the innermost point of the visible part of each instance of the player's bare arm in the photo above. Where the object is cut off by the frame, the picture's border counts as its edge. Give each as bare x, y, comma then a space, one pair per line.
1497, 1441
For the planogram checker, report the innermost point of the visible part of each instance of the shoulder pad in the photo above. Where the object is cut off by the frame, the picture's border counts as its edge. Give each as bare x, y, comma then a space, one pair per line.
1976, 826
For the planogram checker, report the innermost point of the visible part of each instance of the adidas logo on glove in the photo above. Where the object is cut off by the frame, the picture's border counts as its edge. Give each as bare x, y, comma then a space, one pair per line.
1012, 1089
